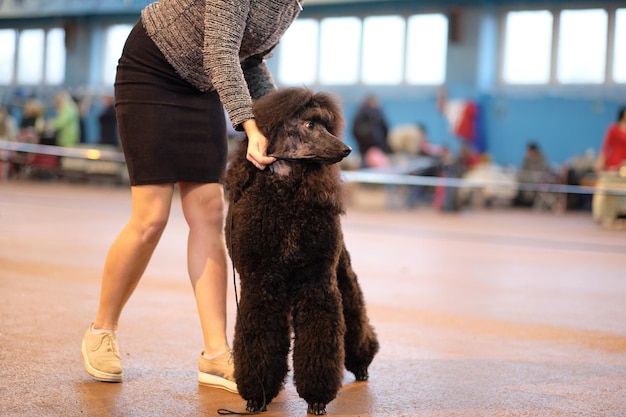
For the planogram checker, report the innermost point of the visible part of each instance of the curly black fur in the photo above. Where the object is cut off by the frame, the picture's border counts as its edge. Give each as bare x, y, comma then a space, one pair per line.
284, 236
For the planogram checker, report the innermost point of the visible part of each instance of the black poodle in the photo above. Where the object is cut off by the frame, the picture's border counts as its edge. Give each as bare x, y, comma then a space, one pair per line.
284, 236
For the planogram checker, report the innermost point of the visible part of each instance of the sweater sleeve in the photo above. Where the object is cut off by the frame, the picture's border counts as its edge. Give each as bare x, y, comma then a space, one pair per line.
224, 25
258, 76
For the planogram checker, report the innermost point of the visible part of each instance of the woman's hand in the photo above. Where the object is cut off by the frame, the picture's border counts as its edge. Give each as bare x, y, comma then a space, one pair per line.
257, 145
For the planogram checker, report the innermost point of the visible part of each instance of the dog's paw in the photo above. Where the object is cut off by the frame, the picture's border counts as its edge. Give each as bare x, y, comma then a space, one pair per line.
317, 409
361, 374
254, 406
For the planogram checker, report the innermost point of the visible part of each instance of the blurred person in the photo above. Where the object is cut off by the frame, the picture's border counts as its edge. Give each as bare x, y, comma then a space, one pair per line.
611, 173
613, 151
467, 159
407, 139
370, 131
9, 131
534, 163
534, 169
83, 102
451, 166
182, 64
33, 117
108, 123
66, 124
8, 127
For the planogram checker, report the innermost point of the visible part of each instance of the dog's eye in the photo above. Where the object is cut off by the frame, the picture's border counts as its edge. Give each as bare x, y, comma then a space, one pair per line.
309, 125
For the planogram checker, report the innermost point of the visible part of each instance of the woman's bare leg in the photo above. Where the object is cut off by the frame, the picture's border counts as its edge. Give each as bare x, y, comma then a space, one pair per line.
130, 253
203, 207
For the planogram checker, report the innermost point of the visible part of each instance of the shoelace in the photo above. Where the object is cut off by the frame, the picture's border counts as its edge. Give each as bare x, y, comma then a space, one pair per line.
109, 340
230, 360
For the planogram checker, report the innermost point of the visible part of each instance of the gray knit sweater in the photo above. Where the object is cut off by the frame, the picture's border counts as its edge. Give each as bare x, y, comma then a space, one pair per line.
219, 44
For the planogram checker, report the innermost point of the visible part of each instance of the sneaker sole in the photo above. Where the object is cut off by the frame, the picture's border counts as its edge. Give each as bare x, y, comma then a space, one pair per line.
214, 381
96, 374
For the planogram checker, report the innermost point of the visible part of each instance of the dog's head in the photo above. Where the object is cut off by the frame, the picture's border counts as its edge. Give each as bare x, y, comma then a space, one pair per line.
301, 126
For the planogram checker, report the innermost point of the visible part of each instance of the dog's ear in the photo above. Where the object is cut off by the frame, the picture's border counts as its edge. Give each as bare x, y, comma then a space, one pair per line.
330, 112
276, 107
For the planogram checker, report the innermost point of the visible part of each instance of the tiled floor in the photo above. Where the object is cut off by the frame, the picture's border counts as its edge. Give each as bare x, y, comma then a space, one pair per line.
479, 313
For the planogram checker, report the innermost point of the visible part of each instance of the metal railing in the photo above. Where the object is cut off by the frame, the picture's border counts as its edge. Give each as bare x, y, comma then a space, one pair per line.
367, 176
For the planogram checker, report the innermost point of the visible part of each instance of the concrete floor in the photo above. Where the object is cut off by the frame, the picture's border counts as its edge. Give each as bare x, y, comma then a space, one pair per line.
480, 313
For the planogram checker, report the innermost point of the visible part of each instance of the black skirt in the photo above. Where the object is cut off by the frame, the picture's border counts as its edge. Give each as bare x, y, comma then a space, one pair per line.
170, 131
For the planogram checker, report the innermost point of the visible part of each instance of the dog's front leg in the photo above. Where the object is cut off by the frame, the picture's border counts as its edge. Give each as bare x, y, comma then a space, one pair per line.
318, 353
262, 340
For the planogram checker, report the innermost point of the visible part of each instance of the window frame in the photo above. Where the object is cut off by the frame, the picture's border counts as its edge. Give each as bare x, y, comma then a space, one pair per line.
407, 79
21, 53
358, 47
44, 74
366, 31
611, 46
359, 81
13, 58
553, 82
104, 76
503, 50
559, 51
46, 56
284, 63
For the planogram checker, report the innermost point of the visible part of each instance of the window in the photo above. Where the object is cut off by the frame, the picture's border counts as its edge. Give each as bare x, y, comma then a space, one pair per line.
55, 56
339, 50
619, 50
7, 55
376, 50
40, 56
582, 46
383, 50
427, 45
297, 63
30, 52
527, 47
115, 38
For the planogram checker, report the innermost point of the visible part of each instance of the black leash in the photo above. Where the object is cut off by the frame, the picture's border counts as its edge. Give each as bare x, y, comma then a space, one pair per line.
225, 412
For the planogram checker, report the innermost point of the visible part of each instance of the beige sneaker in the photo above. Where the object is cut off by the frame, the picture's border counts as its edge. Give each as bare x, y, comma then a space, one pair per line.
218, 372
101, 356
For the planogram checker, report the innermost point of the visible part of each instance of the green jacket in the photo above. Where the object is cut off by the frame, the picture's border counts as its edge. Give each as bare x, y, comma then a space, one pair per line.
67, 125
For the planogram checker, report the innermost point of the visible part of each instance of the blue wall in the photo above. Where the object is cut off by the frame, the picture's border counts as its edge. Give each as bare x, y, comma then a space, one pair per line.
565, 120
562, 126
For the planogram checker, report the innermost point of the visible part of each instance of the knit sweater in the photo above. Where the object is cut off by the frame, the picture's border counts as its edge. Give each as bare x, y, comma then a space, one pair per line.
220, 45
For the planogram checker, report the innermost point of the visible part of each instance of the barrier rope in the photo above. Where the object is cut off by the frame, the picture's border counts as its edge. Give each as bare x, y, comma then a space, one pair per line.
356, 176
84, 153
404, 179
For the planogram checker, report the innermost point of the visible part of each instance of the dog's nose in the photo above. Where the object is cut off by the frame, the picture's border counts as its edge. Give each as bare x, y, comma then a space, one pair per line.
347, 151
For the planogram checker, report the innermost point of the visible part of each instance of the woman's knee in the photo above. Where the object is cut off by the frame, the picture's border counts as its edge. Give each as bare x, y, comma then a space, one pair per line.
151, 210
152, 226
203, 205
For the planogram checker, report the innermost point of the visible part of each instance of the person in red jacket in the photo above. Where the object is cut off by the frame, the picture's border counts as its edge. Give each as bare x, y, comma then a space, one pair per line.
613, 151
611, 169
